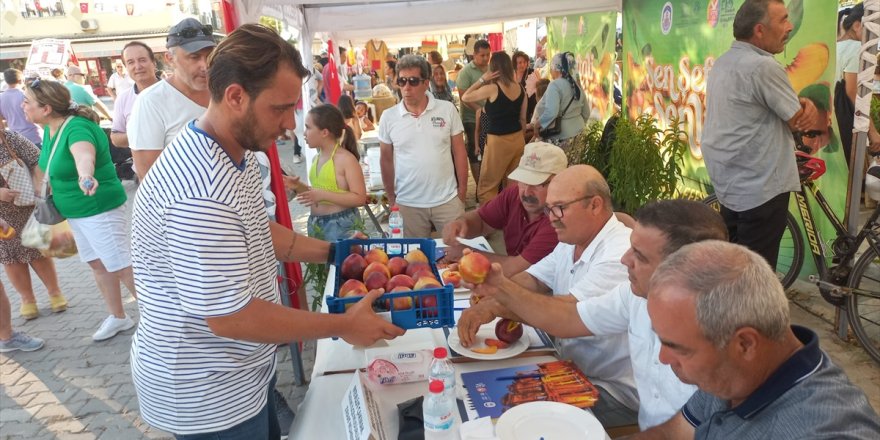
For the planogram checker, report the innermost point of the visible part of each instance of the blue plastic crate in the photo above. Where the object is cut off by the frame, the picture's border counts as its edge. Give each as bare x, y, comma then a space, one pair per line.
422, 314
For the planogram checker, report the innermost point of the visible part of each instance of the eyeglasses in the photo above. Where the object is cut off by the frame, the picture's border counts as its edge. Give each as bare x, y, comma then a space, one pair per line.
558, 210
413, 81
206, 30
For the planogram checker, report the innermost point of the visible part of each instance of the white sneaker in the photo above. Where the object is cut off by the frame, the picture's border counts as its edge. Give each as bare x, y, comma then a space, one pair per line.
111, 326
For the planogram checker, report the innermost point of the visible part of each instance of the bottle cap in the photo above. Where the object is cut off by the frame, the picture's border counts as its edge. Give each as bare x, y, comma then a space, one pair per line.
440, 353
395, 208
436, 386
395, 230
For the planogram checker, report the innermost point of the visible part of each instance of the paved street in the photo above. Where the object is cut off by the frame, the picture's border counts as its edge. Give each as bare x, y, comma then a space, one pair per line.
78, 389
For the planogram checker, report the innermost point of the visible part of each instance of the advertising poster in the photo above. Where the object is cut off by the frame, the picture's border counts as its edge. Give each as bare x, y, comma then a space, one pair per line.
669, 47
590, 37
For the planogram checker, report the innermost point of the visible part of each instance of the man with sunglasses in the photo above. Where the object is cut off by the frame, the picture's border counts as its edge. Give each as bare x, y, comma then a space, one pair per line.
422, 153
586, 263
161, 111
518, 212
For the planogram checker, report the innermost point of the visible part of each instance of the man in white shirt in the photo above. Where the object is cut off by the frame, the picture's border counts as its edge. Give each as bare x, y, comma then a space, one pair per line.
120, 81
661, 229
161, 111
585, 263
141, 65
422, 154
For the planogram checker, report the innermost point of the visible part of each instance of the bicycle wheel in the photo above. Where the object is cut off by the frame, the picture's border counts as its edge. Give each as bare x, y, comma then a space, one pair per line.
791, 247
864, 310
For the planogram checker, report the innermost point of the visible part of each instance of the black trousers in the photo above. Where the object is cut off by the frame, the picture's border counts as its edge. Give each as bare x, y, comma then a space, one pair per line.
759, 229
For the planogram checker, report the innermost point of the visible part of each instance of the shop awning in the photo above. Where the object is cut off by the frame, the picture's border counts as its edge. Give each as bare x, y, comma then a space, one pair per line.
89, 48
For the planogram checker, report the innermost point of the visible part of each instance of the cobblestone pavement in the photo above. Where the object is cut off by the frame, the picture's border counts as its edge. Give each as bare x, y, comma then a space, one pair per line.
78, 389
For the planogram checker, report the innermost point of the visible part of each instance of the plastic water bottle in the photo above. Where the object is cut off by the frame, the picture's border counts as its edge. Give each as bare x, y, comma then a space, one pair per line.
442, 370
437, 413
395, 248
395, 220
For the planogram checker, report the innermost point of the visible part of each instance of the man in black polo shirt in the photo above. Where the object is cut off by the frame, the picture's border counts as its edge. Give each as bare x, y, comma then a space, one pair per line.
722, 318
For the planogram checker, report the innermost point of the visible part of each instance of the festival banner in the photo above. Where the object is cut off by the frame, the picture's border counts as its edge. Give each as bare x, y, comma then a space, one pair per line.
591, 38
669, 47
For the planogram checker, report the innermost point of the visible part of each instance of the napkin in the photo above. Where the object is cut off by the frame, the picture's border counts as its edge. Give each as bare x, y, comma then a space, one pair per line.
478, 429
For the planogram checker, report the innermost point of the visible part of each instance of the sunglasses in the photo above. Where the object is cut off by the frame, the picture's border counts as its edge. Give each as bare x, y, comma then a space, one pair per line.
413, 81
206, 30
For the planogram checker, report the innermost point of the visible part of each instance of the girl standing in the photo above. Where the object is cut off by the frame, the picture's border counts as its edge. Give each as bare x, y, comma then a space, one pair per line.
338, 187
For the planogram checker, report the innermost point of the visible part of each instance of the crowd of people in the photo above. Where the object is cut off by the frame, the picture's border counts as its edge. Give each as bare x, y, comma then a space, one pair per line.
684, 333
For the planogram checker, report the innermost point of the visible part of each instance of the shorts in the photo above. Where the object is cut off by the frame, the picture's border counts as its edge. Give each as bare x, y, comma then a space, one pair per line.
104, 237
334, 227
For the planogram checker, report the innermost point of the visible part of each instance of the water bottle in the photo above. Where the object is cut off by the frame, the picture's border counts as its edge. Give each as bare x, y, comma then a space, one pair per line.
442, 370
395, 220
437, 413
395, 248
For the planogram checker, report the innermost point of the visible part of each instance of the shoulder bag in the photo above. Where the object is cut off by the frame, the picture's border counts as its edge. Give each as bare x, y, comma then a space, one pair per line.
556, 127
18, 178
46, 212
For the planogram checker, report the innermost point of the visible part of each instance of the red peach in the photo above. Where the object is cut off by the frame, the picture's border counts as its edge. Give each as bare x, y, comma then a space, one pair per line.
452, 277
377, 267
416, 256
376, 280
412, 268
474, 267
352, 288
353, 267
399, 281
376, 255
426, 283
397, 266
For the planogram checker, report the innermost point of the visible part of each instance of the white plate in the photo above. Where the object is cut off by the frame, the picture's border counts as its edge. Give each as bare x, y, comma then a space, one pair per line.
548, 421
486, 331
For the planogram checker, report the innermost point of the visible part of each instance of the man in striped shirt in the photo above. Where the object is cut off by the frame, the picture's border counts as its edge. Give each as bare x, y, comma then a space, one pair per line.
205, 256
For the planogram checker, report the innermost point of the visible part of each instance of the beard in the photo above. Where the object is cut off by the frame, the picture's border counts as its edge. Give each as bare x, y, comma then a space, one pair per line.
246, 134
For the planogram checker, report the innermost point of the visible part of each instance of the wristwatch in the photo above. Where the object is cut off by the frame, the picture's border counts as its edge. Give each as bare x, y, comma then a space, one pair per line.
482, 81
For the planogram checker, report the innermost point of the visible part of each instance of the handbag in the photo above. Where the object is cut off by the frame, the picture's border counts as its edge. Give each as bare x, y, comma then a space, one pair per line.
556, 127
18, 178
51, 240
45, 211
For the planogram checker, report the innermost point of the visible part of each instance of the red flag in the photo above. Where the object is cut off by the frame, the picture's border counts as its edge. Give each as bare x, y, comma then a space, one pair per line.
332, 88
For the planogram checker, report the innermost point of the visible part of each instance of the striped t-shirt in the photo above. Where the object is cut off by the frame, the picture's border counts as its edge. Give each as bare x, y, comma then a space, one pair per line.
201, 248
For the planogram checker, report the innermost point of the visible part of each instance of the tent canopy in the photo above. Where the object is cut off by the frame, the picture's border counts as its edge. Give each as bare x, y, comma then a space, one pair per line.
390, 19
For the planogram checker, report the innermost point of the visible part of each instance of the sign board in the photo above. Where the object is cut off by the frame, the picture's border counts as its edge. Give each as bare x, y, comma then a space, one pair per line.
361, 413
47, 54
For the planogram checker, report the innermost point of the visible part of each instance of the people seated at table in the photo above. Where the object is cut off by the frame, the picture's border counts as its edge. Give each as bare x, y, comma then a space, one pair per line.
422, 153
206, 255
723, 320
585, 263
661, 228
337, 182
518, 212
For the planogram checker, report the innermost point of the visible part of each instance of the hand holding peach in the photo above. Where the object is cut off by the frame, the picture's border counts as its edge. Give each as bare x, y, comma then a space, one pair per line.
474, 267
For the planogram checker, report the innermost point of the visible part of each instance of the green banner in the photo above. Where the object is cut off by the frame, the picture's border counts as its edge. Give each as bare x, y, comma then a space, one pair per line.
590, 37
669, 47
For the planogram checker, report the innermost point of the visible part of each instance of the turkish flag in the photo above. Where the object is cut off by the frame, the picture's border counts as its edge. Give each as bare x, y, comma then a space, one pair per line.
332, 88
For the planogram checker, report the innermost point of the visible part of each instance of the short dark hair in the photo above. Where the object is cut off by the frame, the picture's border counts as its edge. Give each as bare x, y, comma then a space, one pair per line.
480, 45
250, 56
751, 13
682, 222
12, 76
141, 44
855, 14
520, 54
414, 61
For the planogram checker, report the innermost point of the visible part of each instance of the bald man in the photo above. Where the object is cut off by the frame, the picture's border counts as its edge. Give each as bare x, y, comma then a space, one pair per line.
585, 264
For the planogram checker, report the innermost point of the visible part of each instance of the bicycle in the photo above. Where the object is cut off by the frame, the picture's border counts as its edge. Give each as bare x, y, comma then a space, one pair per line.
853, 286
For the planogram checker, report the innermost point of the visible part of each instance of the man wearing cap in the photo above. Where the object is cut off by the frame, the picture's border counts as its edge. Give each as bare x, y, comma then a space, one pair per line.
586, 263
80, 95
119, 82
518, 212
161, 111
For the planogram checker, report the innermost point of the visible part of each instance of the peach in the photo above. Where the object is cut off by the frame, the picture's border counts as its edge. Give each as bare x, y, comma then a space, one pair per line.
376, 255
400, 303
474, 267
412, 268
428, 303
352, 288
376, 280
452, 277
416, 256
426, 283
377, 267
508, 330
353, 267
399, 281
397, 266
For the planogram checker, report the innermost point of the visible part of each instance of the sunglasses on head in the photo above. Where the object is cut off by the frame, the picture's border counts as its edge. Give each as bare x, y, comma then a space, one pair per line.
206, 30
413, 81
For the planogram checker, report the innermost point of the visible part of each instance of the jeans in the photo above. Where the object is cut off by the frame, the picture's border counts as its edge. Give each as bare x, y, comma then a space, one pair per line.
333, 227
264, 425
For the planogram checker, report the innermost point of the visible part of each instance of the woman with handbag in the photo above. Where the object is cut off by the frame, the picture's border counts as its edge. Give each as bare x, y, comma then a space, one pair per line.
566, 106
506, 113
18, 157
85, 190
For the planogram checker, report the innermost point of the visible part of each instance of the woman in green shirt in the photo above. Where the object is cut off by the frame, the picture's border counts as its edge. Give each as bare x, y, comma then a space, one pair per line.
86, 191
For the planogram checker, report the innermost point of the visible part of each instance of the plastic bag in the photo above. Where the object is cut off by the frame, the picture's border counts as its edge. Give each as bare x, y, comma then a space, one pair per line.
51, 240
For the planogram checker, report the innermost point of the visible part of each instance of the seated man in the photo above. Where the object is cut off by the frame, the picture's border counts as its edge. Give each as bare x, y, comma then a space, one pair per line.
586, 263
722, 318
518, 211
661, 229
